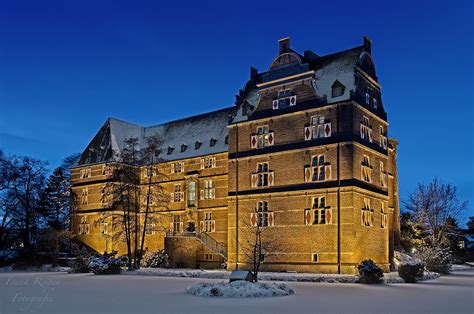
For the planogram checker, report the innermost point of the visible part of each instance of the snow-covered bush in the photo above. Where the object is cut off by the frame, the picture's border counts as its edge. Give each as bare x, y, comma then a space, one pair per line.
82, 258
105, 264
158, 259
411, 273
435, 258
240, 289
369, 272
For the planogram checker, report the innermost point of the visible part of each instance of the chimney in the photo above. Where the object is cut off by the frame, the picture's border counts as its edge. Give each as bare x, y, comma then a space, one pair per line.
284, 44
367, 44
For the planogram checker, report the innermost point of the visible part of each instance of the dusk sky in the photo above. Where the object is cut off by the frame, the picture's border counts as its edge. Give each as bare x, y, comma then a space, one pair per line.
66, 66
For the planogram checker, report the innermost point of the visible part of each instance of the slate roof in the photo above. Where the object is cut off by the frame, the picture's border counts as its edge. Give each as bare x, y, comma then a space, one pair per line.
338, 66
203, 128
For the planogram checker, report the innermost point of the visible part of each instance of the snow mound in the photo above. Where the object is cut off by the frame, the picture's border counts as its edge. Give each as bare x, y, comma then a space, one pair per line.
240, 289
405, 259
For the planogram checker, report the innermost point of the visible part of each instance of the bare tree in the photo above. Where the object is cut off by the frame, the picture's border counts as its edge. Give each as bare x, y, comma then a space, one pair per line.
132, 201
259, 239
432, 207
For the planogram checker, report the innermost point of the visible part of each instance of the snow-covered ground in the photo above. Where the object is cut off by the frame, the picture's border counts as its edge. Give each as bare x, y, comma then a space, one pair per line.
61, 293
240, 289
268, 276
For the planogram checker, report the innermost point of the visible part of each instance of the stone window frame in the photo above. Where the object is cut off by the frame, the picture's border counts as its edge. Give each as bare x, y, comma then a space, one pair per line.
366, 169
367, 214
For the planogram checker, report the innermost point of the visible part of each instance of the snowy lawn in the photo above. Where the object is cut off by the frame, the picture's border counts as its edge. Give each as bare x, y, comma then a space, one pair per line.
240, 289
61, 293
267, 276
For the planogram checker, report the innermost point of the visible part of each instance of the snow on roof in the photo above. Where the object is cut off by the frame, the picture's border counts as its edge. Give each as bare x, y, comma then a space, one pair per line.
210, 129
339, 66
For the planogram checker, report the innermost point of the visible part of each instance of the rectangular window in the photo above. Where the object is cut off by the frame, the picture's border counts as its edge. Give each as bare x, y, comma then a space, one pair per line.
262, 213
84, 226
85, 196
383, 138
366, 129
178, 194
86, 173
209, 191
104, 228
262, 133
319, 210
262, 174
209, 223
177, 167
366, 169
191, 193
383, 175
150, 228
367, 214
209, 162
314, 258
317, 124
177, 224
317, 165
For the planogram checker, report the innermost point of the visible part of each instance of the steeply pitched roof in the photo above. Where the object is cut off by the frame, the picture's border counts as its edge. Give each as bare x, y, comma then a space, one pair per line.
204, 128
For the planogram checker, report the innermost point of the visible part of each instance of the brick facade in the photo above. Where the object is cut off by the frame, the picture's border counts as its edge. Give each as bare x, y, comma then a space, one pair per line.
295, 135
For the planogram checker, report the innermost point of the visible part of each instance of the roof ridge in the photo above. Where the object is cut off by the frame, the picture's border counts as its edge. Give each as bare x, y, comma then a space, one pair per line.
191, 117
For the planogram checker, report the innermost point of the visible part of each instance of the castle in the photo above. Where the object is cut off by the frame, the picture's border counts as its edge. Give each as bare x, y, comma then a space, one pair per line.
304, 153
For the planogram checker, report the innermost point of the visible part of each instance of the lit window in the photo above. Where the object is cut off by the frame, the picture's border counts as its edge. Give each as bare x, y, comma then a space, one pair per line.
177, 167
191, 193
209, 191
177, 195
177, 224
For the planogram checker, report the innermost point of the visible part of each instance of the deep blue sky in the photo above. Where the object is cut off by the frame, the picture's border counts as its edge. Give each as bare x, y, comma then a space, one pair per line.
65, 66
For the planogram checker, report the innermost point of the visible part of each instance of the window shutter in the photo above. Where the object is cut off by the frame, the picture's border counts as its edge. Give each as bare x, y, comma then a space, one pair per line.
327, 129
271, 219
362, 217
213, 162
275, 104
201, 225
213, 226
253, 219
171, 227
254, 180
292, 100
371, 218
172, 168
271, 138
308, 133
307, 173
253, 141
202, 163
370, 136
172, 197
181, 227
384, 142
201, 195
327, 171
212, 193
271, 178
361, 130
307, 216
328, 216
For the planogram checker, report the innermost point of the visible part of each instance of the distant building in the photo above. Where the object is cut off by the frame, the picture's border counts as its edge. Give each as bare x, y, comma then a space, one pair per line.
304, 152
